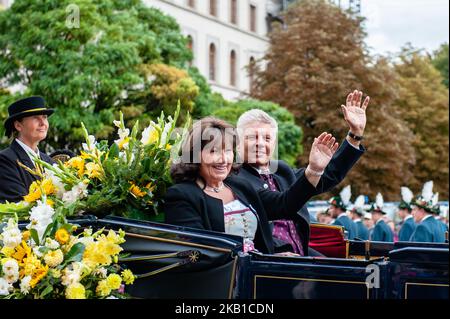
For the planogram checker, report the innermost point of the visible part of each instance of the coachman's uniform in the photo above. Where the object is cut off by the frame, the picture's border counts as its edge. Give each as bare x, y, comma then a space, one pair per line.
14, 179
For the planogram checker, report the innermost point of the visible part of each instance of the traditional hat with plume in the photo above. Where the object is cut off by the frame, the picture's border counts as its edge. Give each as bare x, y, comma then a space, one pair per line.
343, 199
407, 197
358, 206
427, 200
377, 207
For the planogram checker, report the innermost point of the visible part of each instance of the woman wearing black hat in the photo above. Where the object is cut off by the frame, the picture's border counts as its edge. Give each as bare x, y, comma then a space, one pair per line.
28, 125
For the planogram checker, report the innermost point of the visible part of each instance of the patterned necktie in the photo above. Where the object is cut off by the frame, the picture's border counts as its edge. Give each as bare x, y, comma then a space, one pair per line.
284, 229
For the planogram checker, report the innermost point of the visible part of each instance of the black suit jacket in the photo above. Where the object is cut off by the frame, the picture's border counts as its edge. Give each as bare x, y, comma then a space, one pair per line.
343, 160
15, 181
186, 204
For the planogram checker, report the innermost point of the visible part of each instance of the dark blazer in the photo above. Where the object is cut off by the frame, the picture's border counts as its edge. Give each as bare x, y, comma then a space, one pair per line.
15, 181
348, 224
186, 204
361, 230
406, 230
343, 160
382, 232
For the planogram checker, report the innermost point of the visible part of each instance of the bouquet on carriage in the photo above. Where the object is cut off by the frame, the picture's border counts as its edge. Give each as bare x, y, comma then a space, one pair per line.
50, 257
127, 179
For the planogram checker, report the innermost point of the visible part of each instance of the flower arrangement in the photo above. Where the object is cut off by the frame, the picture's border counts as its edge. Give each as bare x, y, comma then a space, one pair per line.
48, 260
51, 258
127, 178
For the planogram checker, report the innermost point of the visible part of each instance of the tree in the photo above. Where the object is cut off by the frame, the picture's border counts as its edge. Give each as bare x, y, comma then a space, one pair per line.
423, 104
289, 134
440, 61
313, 62
88, 72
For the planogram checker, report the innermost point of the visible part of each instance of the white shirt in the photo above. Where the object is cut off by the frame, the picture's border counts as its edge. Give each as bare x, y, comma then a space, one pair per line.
342, 214
28, 150
407, 217
427, 216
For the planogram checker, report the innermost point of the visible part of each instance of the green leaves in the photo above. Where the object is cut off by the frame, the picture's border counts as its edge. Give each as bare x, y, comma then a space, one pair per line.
34, 236
87, 71
74, 254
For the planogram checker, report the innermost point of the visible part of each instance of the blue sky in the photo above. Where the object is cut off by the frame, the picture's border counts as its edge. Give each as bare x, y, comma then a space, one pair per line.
392, 23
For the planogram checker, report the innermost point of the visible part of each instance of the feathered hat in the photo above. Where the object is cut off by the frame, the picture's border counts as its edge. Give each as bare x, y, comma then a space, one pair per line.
407, 197
427, 200
377, 206
358, 206
343, 199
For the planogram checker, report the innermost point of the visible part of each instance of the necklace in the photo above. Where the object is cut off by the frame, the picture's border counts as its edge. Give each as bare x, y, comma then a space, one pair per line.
215, 189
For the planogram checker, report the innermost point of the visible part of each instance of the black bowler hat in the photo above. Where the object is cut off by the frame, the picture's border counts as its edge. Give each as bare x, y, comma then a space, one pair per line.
33, 105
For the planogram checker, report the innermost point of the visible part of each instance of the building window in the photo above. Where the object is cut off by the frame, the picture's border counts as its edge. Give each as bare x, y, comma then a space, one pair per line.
233, 12
251, 73
190, 46
252, 18
191, 3
212, 62
233, 68
213, 7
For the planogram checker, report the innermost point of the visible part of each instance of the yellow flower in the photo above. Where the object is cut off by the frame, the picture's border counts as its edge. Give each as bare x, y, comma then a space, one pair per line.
77, 163
95, 255
34, 193
113, 238
38, 275
26, 235
7, 251
114, 281
103, 289
150, 187
22, 251
75, 291
50, 203
150, 135
55, 273
136, 191
54, 258
93, 170
123, 142
30, 265
85, 155
168, 147
128, 276
36, 188
62, 236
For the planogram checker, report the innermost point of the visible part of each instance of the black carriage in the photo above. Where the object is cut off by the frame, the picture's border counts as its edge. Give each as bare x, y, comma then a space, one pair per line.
179, 262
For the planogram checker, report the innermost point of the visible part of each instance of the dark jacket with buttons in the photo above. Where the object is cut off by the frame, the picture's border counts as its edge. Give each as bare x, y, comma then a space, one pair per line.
341, 163
15, 181
186, 204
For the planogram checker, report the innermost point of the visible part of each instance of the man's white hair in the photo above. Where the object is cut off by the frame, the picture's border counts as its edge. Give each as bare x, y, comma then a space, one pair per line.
255, 115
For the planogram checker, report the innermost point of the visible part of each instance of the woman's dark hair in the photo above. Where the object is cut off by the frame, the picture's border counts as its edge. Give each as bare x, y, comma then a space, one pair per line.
203, 132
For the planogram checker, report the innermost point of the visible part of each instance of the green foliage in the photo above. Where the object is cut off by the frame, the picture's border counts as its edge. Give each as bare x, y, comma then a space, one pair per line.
289, 134
86, 73
440, 62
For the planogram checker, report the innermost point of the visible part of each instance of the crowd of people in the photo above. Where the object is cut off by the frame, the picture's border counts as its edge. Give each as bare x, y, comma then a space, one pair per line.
416, 219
